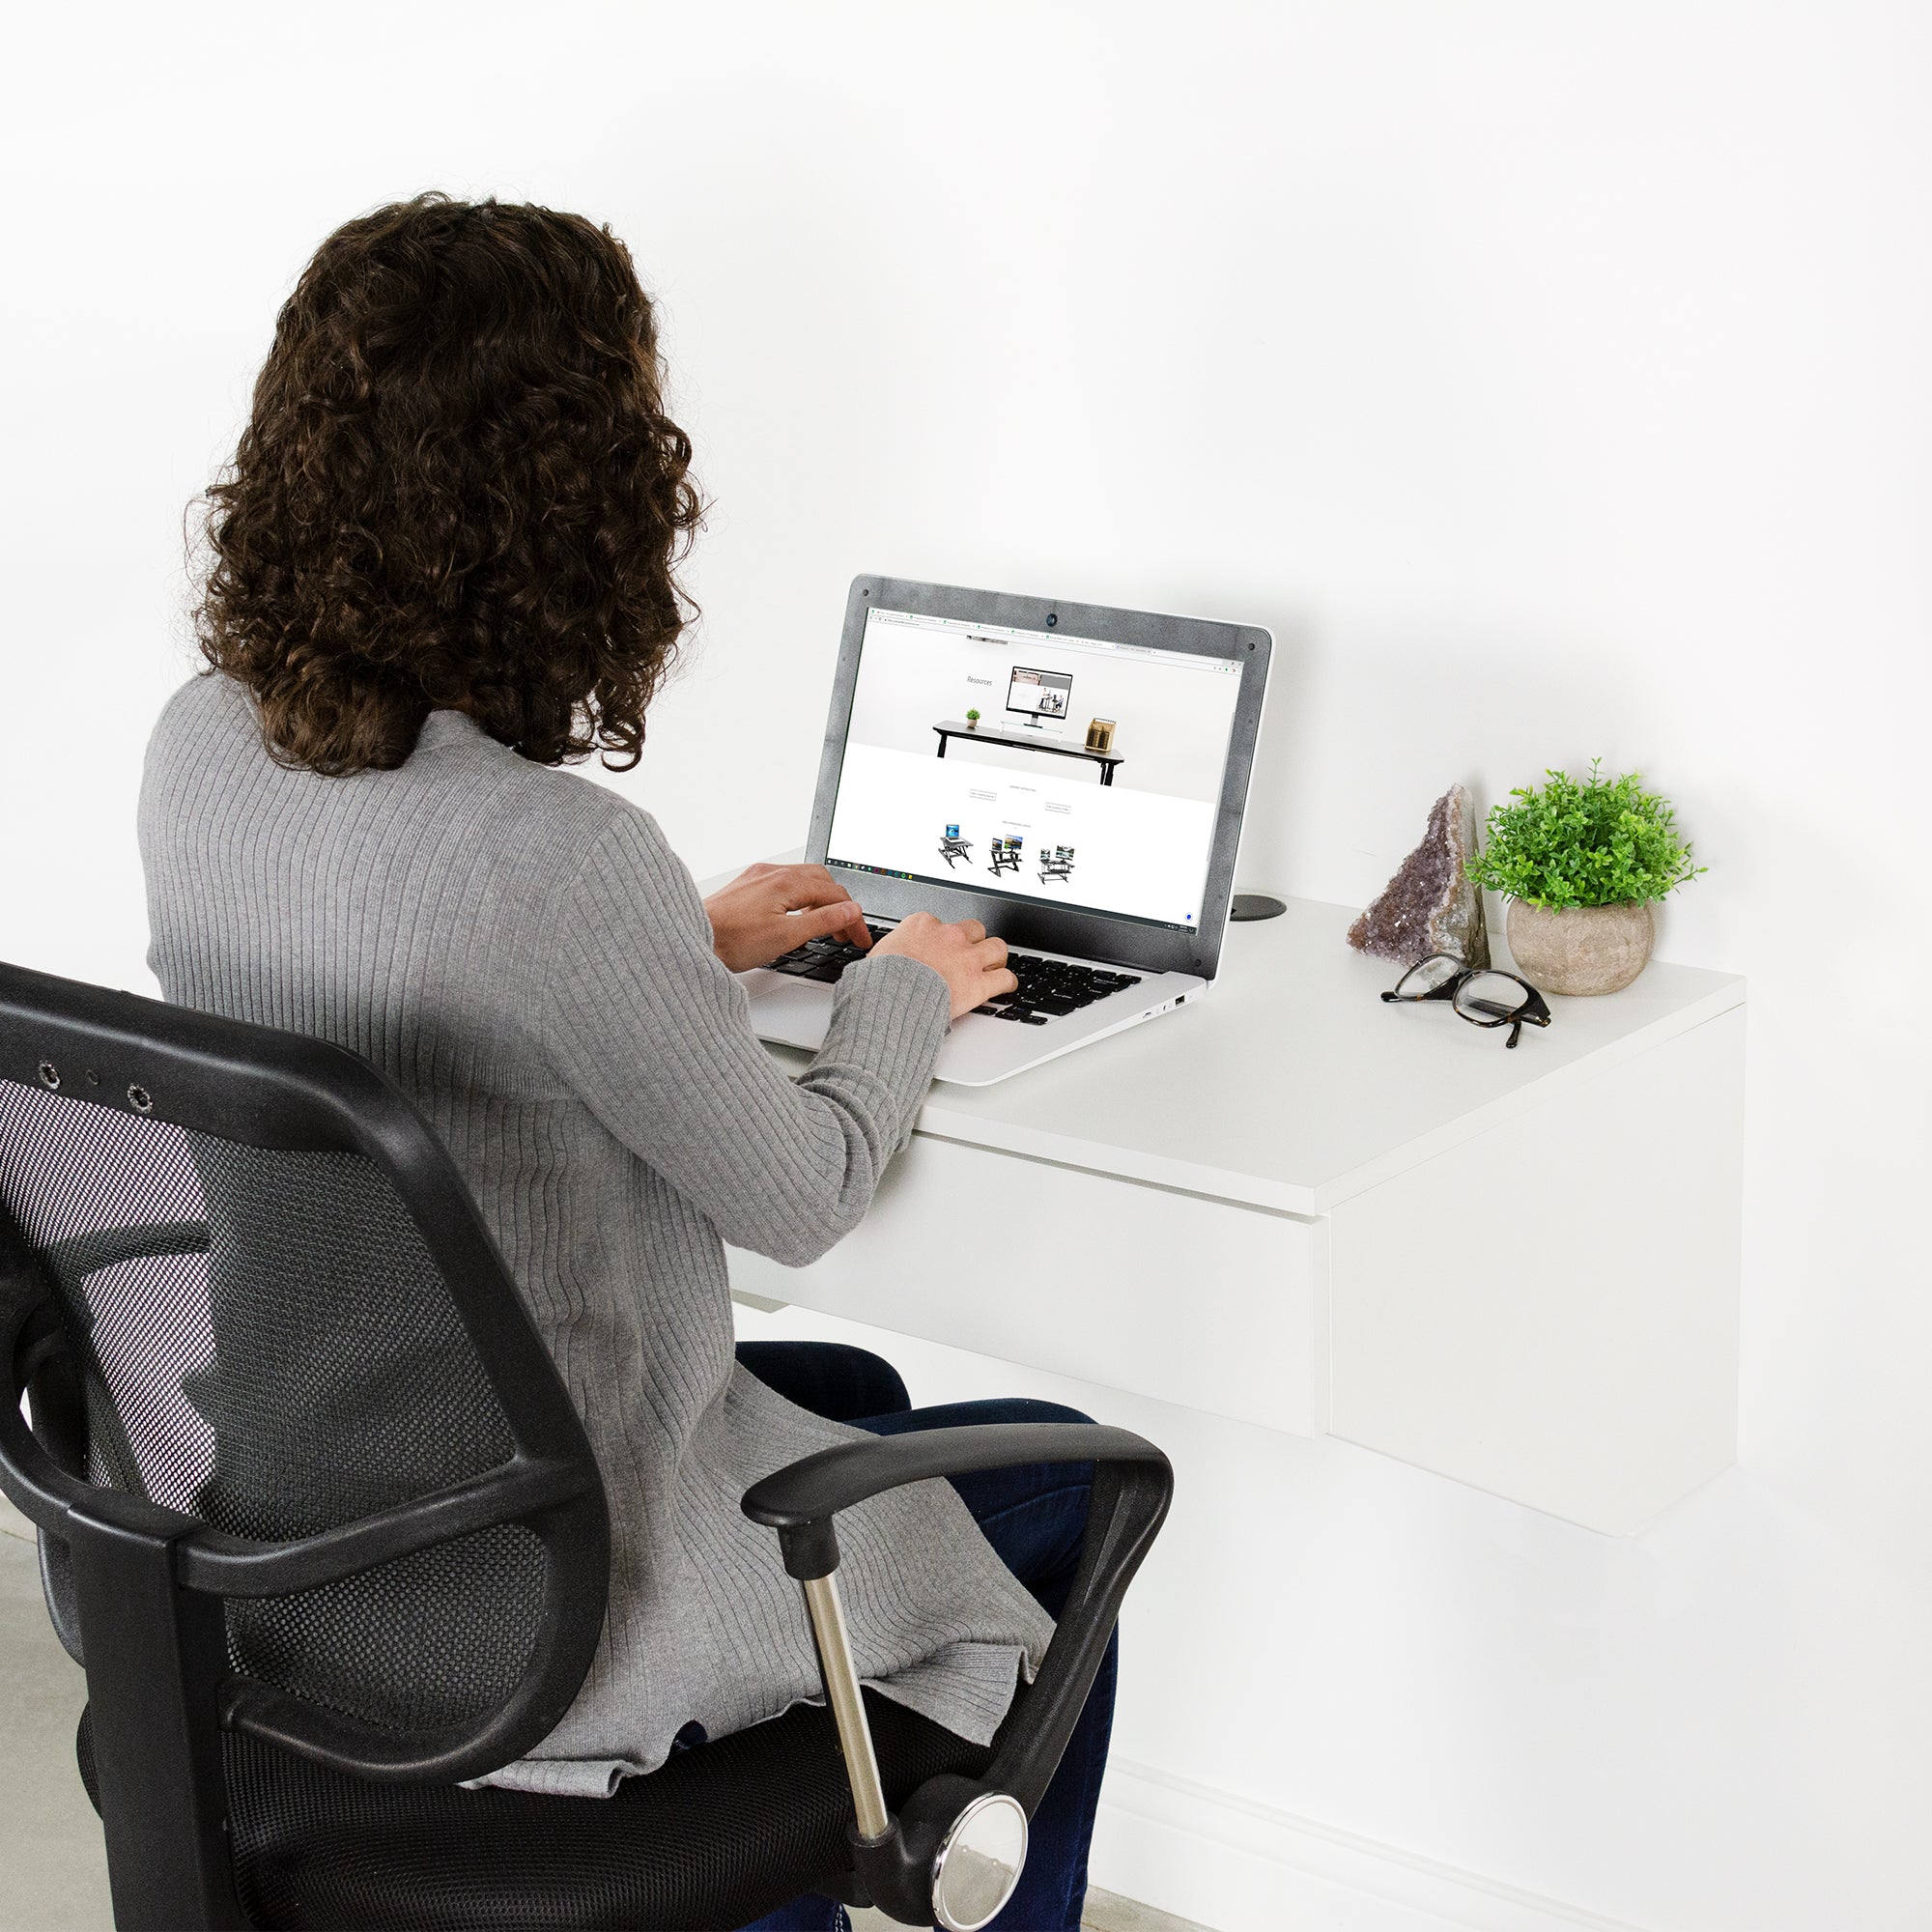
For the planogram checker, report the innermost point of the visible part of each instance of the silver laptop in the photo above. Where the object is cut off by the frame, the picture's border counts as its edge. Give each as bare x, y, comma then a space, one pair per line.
1070, 774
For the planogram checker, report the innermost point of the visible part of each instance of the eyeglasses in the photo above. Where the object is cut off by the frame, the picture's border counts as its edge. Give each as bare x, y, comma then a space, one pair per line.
1480, 995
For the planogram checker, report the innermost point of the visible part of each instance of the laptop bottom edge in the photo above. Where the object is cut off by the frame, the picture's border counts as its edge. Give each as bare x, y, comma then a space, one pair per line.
980, 1048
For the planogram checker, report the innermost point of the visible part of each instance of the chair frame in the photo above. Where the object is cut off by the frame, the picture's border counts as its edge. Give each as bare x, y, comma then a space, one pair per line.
148, 1581
895, 1864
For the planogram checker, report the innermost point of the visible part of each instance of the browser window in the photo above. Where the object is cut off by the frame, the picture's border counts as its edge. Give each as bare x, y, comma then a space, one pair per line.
1034, 765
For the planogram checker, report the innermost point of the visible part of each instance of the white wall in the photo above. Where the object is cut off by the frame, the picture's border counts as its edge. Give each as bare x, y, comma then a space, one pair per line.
1553, 379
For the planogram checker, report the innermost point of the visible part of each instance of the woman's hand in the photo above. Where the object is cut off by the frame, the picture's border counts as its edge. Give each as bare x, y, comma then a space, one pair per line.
767, 910
973, 966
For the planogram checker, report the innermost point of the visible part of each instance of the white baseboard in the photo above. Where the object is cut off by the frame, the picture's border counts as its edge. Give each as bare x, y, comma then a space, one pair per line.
1225, 1861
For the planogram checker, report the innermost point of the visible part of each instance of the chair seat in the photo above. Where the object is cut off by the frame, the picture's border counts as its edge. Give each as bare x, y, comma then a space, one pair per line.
720, 1836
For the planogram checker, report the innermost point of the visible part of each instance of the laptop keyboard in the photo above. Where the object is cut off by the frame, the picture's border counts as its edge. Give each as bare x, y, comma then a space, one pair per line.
1049, 990
824, 958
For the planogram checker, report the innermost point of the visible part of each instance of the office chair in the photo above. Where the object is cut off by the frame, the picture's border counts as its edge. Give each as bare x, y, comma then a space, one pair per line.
217, 1240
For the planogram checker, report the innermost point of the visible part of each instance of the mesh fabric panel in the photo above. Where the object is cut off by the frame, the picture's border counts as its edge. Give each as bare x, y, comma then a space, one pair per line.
289, 1360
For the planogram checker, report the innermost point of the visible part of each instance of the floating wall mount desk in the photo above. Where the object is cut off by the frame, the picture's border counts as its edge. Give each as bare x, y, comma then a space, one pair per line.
1295, 1205
1029, 741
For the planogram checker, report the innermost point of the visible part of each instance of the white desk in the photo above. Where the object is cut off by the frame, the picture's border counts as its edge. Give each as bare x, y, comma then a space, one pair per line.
1297, 1206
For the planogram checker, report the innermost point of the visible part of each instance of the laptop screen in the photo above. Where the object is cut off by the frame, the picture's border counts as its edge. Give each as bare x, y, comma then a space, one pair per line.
1034, 765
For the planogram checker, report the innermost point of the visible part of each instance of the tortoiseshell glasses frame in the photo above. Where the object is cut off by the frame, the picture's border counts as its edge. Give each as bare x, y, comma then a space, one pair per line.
1442, 976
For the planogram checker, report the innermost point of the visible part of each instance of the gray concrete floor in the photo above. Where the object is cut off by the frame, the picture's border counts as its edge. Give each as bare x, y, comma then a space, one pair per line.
50, 1837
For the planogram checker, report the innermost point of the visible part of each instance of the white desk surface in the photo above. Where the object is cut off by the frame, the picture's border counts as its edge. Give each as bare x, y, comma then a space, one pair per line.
1291, 1086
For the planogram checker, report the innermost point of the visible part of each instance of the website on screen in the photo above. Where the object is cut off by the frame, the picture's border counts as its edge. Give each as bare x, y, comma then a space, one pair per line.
1034, 765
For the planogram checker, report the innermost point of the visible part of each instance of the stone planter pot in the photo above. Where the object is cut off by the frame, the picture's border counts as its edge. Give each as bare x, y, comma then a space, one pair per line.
1582, 949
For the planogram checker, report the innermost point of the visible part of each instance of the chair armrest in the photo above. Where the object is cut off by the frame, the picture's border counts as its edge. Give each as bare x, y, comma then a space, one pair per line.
45, 1487
559, 1500
1133, 1484
47, 1367
799, 1500
513, 1491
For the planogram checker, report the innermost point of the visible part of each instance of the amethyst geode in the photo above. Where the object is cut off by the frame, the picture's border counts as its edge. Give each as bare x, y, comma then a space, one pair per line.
1430, 906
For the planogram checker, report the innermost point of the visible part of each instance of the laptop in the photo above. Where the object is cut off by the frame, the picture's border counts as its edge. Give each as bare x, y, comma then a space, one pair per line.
1070, 774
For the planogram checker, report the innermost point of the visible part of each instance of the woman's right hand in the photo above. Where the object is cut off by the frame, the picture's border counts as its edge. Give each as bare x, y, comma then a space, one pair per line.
973, 966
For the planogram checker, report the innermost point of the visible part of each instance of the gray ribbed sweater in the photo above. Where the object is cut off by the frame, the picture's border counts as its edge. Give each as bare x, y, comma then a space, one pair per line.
524, 954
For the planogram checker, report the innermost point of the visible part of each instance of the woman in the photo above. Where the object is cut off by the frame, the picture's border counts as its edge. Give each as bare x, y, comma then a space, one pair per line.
443, 566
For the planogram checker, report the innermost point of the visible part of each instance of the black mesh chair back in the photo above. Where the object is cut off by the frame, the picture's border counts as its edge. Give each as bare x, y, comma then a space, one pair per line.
261, 1323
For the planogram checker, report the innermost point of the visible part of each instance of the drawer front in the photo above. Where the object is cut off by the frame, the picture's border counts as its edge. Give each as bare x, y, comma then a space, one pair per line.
1192, 1302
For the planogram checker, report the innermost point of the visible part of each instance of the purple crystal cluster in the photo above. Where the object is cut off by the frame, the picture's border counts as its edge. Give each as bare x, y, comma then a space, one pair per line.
1430, 906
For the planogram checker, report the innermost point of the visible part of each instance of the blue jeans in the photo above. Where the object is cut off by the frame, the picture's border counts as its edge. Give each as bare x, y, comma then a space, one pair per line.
1036, 1517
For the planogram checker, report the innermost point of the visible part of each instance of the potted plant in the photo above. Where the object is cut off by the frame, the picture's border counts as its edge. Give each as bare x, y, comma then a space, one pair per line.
972, 720
1581, 865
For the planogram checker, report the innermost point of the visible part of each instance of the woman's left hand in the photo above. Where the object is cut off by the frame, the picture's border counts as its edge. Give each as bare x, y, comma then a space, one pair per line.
767, 910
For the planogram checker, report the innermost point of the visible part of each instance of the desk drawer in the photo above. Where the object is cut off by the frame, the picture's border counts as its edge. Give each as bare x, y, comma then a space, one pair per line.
1193, 1301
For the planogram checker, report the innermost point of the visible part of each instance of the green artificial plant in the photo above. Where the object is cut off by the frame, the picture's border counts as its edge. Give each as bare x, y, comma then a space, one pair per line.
1605, 841
971, 718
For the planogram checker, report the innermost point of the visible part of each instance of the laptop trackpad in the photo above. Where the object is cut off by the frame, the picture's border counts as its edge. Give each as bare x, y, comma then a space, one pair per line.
793, 1013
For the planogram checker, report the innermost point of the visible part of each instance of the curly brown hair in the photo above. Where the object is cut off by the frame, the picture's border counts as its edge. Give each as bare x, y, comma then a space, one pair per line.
458, 488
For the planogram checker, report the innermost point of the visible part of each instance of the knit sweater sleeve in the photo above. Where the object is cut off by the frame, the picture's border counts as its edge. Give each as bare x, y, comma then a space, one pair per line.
649, 1029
